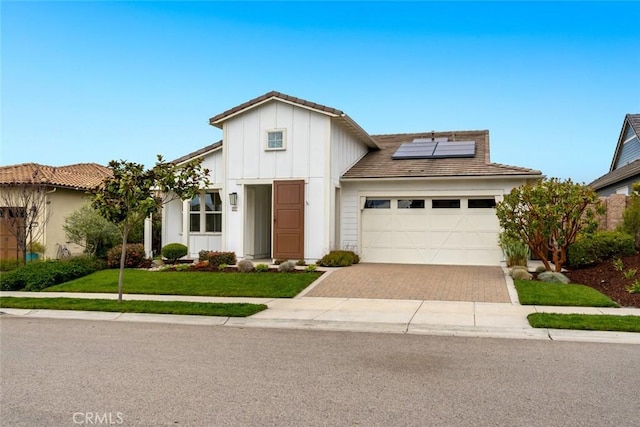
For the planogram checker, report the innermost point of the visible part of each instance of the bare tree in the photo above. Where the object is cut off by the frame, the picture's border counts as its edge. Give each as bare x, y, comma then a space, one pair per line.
24, 210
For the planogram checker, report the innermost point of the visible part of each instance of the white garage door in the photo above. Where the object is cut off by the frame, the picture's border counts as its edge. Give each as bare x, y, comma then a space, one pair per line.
459, 231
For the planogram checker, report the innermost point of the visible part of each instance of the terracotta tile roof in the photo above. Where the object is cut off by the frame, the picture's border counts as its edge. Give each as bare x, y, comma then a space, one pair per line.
197, 153
81, 176
336, 114
379, 164
627, 171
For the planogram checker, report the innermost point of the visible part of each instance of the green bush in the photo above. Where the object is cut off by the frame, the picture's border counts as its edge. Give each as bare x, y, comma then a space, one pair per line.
216, 258
598, 247
515, 250
134, 258
339, 259
36, 276
9, 264
173, 251
261, 268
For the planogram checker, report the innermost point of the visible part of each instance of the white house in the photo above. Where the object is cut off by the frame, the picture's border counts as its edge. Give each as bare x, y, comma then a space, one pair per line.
293, 179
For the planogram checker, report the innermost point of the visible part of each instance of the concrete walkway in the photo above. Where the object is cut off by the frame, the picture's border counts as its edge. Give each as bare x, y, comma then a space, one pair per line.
451, 318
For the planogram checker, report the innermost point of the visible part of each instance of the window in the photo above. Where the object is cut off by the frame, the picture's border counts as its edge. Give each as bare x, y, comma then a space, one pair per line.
205, 213
482, 203
445, 203
377, 204
275, 140
410, 204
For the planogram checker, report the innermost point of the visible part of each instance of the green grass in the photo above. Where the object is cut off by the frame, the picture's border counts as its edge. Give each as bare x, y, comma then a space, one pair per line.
156, 307
586, 322
532, 292
262, 285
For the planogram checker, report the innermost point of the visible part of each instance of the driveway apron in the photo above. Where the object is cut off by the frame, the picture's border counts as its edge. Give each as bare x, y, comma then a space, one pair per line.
415, 282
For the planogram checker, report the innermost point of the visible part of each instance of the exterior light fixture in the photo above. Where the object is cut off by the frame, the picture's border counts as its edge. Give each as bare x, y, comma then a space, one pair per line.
233, 201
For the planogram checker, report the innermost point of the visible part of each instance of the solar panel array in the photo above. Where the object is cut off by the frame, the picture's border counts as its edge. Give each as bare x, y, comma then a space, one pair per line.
438, 148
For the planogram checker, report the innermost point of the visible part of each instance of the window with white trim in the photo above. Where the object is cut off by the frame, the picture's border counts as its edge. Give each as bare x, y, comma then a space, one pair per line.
205, 213
276, 140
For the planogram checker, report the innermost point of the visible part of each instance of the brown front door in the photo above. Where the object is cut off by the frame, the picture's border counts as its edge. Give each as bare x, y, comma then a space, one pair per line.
8, 242
288, 219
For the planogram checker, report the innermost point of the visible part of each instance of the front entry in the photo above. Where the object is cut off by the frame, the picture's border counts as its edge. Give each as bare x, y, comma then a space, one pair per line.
288, 220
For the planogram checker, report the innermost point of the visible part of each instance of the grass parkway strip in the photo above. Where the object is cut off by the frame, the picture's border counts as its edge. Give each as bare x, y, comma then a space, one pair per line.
134, 306
586, 322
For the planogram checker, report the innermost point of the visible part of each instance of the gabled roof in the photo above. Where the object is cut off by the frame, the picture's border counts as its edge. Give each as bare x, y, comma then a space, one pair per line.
632, 120
380, 164
197, 153
624, 172
81, 176
334, 113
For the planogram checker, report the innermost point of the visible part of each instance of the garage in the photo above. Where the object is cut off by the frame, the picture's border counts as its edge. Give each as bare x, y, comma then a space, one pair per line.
424, 230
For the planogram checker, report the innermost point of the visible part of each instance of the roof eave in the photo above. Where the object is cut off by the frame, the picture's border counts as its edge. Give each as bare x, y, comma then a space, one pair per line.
443, 178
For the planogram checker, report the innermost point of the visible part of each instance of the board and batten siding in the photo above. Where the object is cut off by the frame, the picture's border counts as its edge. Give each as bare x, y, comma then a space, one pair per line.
305, 157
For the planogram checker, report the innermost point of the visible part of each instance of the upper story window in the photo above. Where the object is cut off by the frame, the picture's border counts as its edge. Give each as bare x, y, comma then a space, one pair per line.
276, 139
205, 213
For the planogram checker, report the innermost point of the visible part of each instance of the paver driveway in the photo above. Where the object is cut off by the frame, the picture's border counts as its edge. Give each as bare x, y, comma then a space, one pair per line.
415, 282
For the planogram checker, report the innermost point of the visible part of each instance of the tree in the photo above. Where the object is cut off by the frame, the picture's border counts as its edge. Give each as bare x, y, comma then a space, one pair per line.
132, 193
24, 205
631, 215
548, 216
87, 228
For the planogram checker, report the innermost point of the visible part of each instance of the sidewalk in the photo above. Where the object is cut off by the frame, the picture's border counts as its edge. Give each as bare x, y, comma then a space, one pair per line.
448, 318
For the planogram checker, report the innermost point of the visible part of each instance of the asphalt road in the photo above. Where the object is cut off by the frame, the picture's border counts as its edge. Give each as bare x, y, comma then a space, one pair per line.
70, 373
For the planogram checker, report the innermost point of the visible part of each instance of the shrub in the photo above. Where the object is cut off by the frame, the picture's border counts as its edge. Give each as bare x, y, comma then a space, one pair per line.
311, 268
339, 259
261, 268
173, 251
515, 250
134, 258
222, 267
9, 264
217, 258
520, 274
634, 288
301, 263
245, 266
553, 277
287, 267
598, 247
36, 276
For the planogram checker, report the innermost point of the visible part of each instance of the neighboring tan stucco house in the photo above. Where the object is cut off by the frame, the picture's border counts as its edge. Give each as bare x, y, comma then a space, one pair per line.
293, 179
625, 166
65, 189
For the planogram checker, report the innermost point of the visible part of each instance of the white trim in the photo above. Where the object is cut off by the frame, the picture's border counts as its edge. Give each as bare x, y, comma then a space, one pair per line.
266, 139
206, 153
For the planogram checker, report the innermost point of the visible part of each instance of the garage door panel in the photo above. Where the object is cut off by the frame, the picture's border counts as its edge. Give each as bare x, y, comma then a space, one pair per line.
432, 236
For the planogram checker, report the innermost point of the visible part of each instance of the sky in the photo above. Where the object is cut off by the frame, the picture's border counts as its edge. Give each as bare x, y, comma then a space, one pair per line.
99, 81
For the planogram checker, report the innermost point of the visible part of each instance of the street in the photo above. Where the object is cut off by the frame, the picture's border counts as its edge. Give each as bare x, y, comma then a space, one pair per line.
78, 372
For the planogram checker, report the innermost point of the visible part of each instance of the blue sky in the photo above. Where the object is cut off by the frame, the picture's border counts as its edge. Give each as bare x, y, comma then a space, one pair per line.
96, 81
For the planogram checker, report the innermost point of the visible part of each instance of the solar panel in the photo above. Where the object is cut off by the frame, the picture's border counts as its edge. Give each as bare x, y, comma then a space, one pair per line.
438, 139
415, 150
425, 148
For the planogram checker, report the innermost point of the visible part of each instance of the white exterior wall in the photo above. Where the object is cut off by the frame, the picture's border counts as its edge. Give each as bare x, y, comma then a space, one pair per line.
354, 192
346, 150
174, 216
305, 157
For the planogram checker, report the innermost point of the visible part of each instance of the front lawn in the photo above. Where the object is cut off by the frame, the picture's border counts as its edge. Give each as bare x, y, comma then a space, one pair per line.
155, 307
533, 292
587, 322
259, 285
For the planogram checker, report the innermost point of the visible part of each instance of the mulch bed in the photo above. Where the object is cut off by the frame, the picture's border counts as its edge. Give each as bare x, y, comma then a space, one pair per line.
611, 282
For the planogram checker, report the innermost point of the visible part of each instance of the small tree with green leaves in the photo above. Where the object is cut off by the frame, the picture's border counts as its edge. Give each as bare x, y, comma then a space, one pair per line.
87, 228
631, 215
132, 193
548, 216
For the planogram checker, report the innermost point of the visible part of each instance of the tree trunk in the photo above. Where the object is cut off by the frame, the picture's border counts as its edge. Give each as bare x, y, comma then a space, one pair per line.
123, 256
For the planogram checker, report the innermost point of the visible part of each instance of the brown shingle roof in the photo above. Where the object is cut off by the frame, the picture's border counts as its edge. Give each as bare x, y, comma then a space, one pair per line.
197, 153
82, 176
627, 171
379, 164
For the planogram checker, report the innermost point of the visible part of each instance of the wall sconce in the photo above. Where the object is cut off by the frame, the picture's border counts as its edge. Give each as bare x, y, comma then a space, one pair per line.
233, 201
